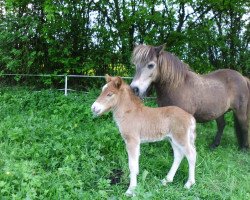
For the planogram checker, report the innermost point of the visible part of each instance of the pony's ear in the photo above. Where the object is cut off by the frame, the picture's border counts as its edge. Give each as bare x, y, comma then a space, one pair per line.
134, 45
118, 82
159, 49
107, 78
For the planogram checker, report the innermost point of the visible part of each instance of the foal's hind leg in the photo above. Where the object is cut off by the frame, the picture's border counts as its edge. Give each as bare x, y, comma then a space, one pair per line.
220, 125
178, 156
190, 153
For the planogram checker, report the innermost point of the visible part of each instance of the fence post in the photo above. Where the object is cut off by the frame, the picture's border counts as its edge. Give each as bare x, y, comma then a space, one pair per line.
66, 86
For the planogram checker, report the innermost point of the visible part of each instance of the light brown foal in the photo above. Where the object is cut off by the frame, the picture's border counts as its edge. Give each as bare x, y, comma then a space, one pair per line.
138, 123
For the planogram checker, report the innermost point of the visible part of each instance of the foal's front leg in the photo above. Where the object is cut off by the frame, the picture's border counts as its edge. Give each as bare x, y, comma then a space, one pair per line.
133, 149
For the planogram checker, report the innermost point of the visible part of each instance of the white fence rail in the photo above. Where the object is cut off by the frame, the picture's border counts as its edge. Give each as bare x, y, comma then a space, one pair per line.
66, 89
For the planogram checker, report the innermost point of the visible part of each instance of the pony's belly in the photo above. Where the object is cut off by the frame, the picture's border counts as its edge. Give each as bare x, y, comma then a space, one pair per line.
205, 117
211, 112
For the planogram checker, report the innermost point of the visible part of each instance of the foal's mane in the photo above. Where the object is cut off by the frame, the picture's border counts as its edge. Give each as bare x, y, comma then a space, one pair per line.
126, 88
172, 70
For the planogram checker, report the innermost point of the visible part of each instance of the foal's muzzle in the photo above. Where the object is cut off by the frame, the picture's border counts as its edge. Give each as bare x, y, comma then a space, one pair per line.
95, 108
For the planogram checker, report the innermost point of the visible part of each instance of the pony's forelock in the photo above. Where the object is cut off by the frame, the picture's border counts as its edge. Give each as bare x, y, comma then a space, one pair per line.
142, 54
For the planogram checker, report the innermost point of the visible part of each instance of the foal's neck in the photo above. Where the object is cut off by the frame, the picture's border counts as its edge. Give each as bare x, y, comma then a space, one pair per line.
127, 103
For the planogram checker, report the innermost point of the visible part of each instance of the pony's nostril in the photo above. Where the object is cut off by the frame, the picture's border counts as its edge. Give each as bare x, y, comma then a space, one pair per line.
136, 90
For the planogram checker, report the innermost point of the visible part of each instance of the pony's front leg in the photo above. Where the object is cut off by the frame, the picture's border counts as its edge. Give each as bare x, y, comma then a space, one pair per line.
133, 149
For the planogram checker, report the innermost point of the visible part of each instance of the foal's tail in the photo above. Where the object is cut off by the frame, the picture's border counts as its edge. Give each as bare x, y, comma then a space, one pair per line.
192, 131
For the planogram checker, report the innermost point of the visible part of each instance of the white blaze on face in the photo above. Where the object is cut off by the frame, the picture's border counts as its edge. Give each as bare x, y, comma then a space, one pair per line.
101, 105
97, 108
146, 77
104, 87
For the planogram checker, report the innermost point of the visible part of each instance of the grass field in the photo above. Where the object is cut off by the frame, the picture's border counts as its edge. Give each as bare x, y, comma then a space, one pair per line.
51, 147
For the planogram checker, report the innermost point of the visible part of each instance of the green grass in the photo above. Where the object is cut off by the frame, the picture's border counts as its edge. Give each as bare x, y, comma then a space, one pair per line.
51, 147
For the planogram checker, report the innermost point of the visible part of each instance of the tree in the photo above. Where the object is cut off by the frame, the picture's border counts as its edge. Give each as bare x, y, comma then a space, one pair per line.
97, 37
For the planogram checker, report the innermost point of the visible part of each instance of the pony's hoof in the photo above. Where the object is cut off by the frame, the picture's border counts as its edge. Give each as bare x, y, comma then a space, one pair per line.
189, 184
213, 146
130, 193
244, 148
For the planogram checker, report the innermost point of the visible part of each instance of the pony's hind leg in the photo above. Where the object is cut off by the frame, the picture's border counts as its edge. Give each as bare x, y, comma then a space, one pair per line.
220, 125
178, 156
241, 128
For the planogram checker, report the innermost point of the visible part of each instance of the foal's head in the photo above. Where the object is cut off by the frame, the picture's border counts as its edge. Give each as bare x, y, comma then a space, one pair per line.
145, 58
109, 96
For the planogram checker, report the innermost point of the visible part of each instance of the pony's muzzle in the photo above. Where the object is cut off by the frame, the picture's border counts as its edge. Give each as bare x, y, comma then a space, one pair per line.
136, 90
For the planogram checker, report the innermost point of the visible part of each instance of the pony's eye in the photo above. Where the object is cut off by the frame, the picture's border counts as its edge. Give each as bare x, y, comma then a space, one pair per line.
109, 94
151, 66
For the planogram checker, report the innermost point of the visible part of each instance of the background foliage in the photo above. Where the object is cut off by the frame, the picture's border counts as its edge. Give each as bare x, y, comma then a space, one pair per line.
97, 37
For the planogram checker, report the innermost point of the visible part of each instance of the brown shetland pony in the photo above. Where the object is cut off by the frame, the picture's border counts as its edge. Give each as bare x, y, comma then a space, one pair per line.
206, 97
138, 123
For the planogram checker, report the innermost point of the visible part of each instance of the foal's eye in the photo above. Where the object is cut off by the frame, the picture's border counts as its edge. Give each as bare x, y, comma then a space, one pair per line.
151, 66
109, 94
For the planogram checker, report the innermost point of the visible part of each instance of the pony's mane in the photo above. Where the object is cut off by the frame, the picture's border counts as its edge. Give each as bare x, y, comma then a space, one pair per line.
172, 69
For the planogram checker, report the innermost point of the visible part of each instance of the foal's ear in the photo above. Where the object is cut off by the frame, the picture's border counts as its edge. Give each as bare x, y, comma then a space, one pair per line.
118, 82
107, 78
159, 49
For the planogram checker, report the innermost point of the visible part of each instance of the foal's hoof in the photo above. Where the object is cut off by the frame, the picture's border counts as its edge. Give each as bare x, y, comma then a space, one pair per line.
189, 184
130, 193
165, 181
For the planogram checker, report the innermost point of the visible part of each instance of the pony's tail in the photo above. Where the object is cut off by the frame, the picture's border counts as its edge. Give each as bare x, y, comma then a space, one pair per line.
248, 109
